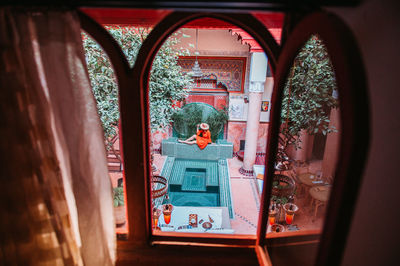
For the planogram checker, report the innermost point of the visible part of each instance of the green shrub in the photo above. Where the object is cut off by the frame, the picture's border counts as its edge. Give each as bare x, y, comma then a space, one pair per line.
186, 120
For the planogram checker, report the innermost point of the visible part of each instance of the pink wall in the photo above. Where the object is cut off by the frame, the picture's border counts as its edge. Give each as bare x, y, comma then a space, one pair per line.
237, 132
262, 137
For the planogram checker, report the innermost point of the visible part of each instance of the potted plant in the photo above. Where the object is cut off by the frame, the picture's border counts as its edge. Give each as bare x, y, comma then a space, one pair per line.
119, 206
283, 186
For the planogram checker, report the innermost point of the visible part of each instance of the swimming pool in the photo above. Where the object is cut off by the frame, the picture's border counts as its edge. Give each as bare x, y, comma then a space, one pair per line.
202, 183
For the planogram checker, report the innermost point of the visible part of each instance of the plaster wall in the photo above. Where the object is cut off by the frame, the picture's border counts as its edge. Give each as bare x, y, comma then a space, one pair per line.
237, 132
214, 42
374, 236
269, 85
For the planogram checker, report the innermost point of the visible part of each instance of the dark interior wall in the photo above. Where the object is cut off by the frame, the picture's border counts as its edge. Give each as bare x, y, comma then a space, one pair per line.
299, 255
186, 255
374, 233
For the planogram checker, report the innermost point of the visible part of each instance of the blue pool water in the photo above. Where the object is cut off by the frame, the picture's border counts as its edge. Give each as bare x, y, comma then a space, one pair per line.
194, 179
203, 183
194, 191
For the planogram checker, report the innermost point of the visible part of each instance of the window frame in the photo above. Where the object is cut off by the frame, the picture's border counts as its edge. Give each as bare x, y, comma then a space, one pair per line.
143, 64
354, 121
133, 86
140, 229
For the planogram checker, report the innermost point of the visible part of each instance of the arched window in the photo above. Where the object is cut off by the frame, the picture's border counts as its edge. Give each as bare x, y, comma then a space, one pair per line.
350, 79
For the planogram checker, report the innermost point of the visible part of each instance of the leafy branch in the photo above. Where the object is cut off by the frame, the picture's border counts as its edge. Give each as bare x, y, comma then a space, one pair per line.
167, 86
308, 94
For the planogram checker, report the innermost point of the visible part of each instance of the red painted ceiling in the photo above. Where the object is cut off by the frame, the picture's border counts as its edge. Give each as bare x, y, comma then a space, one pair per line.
150, 17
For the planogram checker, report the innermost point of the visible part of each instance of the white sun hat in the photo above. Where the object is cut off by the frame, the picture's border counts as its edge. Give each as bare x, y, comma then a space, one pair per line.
204, 126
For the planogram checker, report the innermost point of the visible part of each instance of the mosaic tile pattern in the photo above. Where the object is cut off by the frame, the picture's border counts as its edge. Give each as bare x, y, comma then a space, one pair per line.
229, 71
194, 199
194, 179
225, 187
185, 178
180, 167
167, 168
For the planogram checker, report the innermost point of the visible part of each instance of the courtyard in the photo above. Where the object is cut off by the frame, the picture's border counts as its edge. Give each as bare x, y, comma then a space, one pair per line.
230, 88
246, 200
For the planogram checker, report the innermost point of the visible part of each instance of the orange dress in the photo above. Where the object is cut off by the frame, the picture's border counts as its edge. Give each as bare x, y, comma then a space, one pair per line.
203, 138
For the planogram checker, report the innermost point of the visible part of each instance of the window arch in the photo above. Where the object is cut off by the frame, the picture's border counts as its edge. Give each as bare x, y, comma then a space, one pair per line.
354, 117
346, 60
161, 32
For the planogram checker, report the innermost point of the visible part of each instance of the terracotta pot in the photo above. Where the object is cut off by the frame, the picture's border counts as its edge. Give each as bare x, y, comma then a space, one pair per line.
119, 214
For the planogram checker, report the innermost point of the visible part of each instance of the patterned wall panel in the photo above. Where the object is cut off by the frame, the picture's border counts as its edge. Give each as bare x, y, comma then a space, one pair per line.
220, 101
209, 99
230, 71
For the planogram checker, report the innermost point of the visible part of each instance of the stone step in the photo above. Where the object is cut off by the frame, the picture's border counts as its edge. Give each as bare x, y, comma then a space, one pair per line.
194, 180
181, 167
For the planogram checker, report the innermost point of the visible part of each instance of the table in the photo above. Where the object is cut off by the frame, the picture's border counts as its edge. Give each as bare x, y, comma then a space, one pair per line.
308, 180
320, 196
180, 217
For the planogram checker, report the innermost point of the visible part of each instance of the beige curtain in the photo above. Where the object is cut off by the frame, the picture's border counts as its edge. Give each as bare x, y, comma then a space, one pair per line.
56, 198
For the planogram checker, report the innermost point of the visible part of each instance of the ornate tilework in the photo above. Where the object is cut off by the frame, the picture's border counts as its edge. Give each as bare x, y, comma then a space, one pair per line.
228, 70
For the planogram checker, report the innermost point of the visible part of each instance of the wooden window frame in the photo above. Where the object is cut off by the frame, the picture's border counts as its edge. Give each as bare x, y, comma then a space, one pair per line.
354, 121
133, 86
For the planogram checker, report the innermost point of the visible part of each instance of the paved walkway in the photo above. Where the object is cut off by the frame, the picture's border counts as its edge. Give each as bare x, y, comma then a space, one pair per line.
246, 200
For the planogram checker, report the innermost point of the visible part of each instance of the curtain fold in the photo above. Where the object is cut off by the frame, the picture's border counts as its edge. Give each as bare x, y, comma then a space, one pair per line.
56, 200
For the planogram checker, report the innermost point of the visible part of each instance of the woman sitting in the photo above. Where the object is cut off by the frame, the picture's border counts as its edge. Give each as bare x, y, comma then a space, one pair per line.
202, 137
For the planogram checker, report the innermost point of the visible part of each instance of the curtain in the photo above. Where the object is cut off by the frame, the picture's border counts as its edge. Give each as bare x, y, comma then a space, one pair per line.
56, 196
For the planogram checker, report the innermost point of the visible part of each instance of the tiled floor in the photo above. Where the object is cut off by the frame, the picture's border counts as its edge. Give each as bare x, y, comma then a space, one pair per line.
246, 199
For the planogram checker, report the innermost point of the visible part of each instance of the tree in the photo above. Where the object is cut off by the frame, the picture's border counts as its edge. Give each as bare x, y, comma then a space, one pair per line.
167, 86
308, 95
